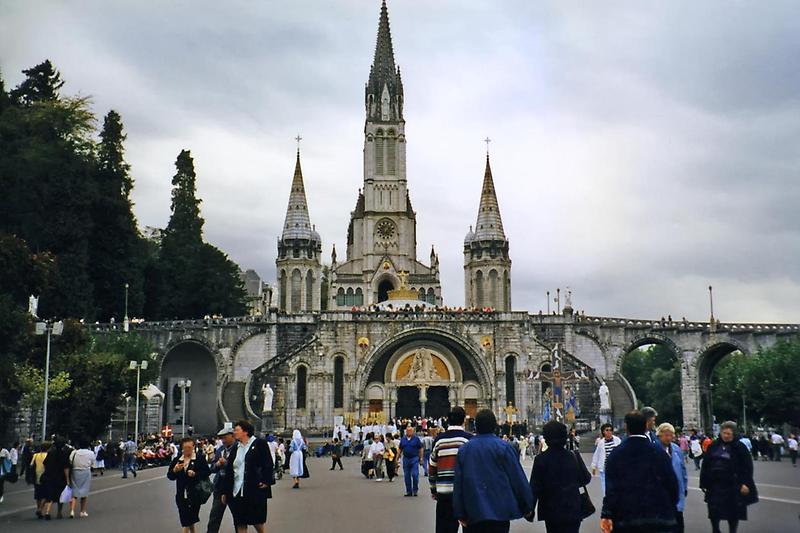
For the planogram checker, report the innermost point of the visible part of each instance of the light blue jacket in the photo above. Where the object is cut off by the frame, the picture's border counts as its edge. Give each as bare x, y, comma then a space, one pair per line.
679, 467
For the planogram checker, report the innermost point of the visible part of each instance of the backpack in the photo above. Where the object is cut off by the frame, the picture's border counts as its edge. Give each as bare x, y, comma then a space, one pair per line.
101, 453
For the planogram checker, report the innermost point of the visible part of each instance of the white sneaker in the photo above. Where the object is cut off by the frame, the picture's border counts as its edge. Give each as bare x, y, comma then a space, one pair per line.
84, 515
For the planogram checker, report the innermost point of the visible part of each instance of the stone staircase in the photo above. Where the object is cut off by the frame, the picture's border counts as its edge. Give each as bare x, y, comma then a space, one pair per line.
233, 400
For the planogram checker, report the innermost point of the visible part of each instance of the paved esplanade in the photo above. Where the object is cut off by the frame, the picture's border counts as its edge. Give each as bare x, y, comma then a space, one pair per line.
345, 501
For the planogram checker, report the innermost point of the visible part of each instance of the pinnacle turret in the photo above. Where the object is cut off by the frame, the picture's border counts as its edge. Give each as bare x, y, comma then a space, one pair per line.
489, 225
298, 223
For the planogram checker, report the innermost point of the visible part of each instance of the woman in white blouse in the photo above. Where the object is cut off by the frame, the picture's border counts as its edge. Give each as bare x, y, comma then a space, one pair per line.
80, 478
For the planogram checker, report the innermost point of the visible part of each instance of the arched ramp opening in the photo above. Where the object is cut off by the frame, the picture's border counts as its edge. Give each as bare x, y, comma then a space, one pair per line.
190, 361
717, 404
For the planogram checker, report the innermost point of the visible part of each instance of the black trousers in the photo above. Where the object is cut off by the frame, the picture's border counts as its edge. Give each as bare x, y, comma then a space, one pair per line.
679, 520
445, 520
336, 461
489, 526
216, 514
562, 527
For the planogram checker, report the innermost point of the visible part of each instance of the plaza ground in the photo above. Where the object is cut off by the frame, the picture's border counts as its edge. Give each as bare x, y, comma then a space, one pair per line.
344, 501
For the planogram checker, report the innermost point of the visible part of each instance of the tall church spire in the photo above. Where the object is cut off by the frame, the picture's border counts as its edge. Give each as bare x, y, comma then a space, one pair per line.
383, 97
489, 225
298, 223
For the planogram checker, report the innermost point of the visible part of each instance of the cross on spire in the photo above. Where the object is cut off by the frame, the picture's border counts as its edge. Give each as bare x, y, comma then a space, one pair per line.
298, 139
487, 140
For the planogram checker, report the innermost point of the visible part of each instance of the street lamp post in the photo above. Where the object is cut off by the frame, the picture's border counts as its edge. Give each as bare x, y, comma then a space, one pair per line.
42, 328
184, 384
127, 410
548, 302
125, 322
138, 366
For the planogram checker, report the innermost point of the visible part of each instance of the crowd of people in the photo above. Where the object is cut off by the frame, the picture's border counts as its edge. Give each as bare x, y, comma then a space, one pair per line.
474, 469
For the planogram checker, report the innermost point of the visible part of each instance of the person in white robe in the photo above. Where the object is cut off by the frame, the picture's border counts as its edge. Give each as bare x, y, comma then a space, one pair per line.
296, 448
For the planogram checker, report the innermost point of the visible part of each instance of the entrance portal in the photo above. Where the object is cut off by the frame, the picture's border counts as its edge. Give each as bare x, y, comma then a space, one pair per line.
408, 404
438, 403
383, 290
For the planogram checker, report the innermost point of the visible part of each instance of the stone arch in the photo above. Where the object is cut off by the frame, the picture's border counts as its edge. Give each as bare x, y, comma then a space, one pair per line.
708, 358
459, 345
198, 361
339, 368
644, 340
510, 367
300, 374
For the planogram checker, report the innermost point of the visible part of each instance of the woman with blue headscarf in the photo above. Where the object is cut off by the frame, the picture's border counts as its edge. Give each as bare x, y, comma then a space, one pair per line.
297, 450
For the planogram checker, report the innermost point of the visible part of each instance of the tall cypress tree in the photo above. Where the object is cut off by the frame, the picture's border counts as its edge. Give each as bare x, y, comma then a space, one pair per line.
41, 84
117, 249
198, 278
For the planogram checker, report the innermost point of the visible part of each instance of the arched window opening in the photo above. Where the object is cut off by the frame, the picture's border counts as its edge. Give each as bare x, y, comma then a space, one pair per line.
391, 156
431, 297
383, 290
493, 289
338, 383
340, 296
479, 288
349, 298
511, 368
302, 386
359, 297
297, 281
309, 290
282, 289
379, 154
421, 295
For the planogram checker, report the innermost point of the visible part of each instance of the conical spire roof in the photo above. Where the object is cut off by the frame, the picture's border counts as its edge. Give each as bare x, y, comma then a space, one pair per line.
489, 225
298, 223
384, 72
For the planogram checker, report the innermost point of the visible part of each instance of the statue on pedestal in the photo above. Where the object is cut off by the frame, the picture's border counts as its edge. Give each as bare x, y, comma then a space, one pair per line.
605, 397
268, 395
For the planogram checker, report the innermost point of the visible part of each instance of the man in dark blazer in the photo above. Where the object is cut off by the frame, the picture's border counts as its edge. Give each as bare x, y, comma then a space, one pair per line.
248, 479
218, 467
641, 487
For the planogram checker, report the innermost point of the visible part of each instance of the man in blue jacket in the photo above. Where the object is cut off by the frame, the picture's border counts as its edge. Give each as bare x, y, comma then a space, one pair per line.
641, 487
489, 488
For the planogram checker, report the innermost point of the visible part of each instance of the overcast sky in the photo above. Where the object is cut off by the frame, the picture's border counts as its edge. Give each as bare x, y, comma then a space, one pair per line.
641, 150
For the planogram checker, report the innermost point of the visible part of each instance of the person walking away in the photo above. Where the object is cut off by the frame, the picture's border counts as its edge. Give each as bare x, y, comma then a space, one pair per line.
56, 475
683, 444
556, 479
727, 479
187, 470
777, 446
367, 464
792, 445
412, 449
129, 457
641, 488
427, 448
81, 461
248, 478
696, 449
39, 489
336, 455
666, 436
650, 415
442, 467
489, 486
603, 448
25, 457
378, 449
297, 449
523, 448
100, 457
219, 468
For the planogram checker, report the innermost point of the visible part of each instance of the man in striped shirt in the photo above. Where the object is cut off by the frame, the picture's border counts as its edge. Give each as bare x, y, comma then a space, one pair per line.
442, 467
604, 445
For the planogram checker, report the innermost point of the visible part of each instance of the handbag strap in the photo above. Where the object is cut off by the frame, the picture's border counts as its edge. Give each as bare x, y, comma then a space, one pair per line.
578, 469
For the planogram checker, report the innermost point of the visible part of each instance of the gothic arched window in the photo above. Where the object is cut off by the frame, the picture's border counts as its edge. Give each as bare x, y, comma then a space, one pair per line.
479, 288
359, 297
431, 297
297, 283
511, 369
338, 383
302, 386
379, 152
340, 296
309, 290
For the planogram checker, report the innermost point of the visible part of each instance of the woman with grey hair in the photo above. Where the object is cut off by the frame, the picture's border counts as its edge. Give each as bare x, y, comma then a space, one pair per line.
726, 478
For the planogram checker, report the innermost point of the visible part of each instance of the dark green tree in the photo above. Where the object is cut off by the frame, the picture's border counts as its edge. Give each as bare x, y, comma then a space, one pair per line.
41, 84
117, 249
654, 373
197, 278
772, 381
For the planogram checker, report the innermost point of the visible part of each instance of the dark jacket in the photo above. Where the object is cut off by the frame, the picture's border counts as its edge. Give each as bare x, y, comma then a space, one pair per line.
258, 468
721, 477
220, 452
556, 479
182, 479
489, 483
641, 487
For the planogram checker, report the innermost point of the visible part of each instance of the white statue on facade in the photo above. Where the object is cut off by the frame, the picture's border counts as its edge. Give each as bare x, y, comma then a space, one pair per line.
268, 395
33, 306
605, 397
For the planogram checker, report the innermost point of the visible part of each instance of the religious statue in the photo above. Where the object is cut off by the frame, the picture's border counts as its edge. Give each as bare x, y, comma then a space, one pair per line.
605, 397
510, 411
571, 411
422, 368
268, 395
33, 306
403, 276
547, 413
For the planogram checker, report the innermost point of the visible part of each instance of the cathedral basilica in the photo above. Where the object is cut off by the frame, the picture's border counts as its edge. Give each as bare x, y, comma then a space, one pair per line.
368, 337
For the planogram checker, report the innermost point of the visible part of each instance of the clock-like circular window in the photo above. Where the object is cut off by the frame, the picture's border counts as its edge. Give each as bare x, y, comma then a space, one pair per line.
385, 229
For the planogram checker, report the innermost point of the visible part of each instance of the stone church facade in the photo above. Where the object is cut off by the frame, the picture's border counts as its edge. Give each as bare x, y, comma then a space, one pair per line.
331, 345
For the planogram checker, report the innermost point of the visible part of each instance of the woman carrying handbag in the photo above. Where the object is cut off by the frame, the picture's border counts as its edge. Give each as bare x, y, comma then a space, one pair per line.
556, 481
188, 471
